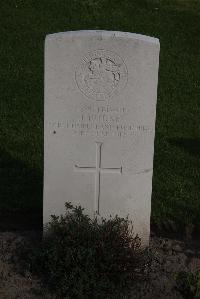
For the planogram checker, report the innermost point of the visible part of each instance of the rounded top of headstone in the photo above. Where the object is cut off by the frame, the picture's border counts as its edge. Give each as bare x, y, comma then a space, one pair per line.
106, 34
101, 69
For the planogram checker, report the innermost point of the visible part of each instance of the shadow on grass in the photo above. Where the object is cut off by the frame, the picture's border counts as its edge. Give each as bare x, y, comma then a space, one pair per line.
190, 145
20, 195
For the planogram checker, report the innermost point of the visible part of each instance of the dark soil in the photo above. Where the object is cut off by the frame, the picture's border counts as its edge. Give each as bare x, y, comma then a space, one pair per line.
166, 256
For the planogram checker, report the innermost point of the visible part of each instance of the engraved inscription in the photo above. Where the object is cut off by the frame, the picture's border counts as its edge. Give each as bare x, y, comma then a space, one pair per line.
101, 74
100, 121
97, 170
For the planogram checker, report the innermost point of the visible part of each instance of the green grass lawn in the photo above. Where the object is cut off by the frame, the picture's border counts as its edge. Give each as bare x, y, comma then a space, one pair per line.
24, 24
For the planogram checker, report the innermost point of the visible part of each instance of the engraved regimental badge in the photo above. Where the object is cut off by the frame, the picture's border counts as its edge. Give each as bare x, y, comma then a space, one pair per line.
101, 74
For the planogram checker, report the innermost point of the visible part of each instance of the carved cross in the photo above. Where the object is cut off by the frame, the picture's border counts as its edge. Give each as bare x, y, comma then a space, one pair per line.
97, 170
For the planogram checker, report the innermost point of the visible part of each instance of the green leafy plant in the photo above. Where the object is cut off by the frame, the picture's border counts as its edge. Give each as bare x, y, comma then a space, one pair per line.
81, 257
189, 284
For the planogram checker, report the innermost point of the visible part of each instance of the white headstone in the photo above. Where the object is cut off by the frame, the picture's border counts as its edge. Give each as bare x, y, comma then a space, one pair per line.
100, 108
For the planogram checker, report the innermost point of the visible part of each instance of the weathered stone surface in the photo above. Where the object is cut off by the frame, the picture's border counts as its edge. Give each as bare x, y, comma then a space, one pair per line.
100, 108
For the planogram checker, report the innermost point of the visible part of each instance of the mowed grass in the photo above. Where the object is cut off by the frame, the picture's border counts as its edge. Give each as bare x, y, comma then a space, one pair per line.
24, 24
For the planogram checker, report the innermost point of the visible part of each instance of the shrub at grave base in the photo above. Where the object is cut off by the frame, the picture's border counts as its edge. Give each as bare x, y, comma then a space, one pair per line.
189, 284
82, 258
